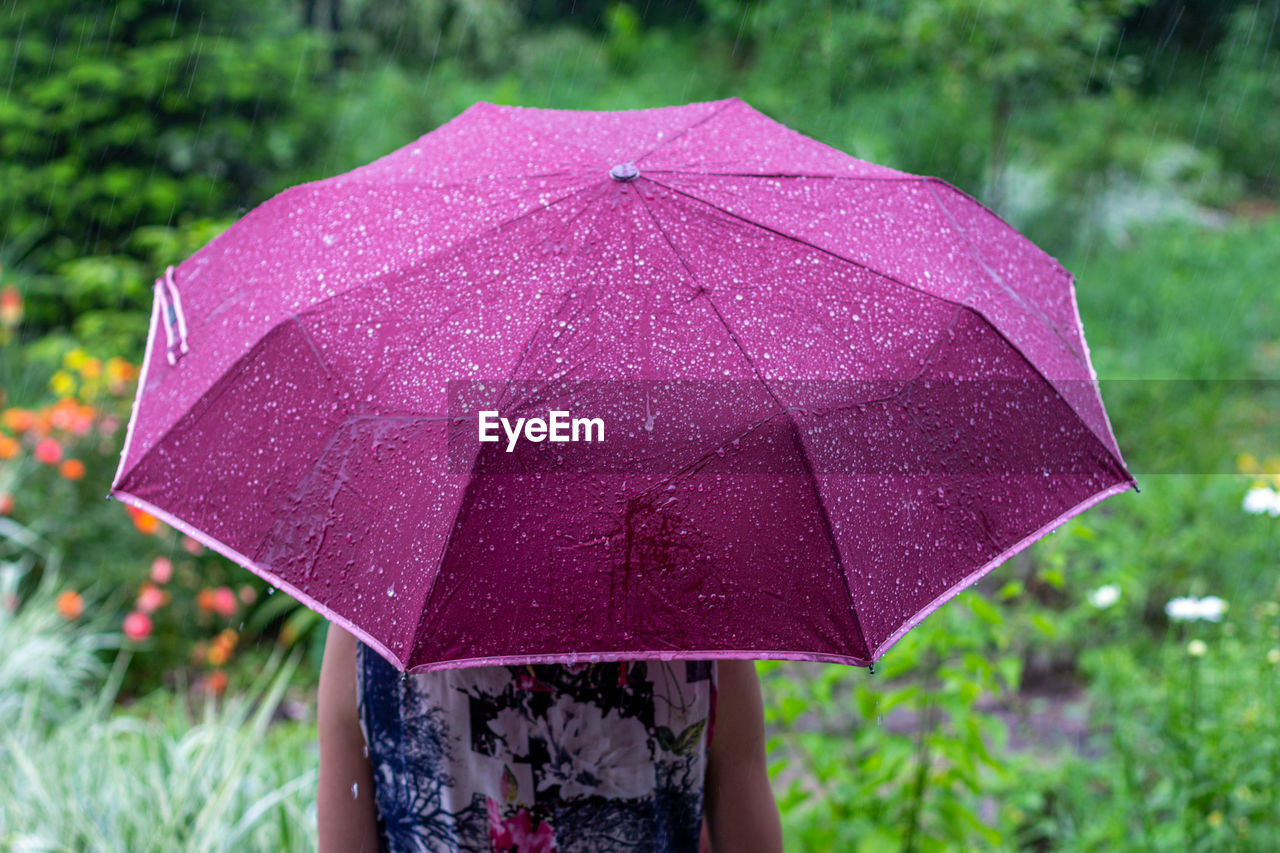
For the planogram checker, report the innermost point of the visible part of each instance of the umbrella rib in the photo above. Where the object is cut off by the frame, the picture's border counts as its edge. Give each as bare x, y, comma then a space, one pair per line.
795, 434
444, 250
805, 242
475, 459
882, 178
729, 102
888, 277
996, 277
512, 118
808, 467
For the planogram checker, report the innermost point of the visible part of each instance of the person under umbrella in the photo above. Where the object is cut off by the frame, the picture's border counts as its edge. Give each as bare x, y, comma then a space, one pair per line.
627, 755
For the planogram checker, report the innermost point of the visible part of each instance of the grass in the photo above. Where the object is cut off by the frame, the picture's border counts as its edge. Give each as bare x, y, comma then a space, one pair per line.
85, 775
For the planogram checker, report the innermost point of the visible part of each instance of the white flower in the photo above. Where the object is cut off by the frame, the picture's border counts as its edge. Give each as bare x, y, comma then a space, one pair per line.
1104, 596
1210, 608
591, 753
1262, 499
1182, 608
1197, 648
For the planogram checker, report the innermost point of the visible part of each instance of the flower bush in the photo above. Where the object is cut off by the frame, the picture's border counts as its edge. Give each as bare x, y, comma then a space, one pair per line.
176, 605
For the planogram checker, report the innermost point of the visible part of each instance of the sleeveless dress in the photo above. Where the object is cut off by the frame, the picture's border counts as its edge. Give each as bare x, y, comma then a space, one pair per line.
583, 758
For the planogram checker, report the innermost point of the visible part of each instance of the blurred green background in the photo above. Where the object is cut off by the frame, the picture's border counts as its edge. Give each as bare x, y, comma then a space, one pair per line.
151, 691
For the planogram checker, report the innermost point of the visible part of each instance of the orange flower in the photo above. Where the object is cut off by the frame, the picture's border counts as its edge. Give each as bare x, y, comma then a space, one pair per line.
18, 420
217, 681
70, 605
82, 421
48, 451
224, 601
161, 570
72, 469
150, 598
10, 305
137, 625
43, 422
204, 599
6, 503
61, 415
9, 447
92, 368
143, 520
218, 654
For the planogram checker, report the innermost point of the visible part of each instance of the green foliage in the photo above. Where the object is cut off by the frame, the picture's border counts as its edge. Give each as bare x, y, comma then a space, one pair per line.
1244, 98
140, 114
849, 782
414, 34
79, 776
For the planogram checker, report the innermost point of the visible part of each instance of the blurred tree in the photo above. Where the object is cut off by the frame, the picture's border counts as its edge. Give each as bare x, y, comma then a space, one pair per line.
1244, 97
134, 113
416, 33
1007, 53
1019, 53
593, 15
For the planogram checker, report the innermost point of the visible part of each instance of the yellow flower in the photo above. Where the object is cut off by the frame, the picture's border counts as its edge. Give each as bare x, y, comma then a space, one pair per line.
1215, 819
74, 359
62, 383
1273, 656
1247, 463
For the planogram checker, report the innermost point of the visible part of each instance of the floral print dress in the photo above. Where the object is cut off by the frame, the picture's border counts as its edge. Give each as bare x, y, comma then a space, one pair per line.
583, 758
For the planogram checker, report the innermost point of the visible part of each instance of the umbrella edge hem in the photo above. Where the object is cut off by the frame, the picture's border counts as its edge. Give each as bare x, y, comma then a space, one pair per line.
245, 562
976, 575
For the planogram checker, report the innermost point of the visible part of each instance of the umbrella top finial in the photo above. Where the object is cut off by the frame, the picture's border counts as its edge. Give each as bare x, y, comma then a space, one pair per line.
624, 172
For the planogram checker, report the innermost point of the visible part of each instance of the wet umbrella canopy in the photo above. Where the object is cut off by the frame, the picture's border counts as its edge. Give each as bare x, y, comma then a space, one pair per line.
552, 385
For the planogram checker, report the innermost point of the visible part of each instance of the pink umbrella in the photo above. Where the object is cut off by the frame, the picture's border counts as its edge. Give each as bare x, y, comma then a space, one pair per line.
777, 402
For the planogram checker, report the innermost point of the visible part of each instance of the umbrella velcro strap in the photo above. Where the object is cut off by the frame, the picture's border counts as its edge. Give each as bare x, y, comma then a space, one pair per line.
175, 323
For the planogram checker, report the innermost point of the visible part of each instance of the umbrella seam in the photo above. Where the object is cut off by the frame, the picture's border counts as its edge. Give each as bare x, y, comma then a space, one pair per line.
795, 432
729, 102
421, 623
1085, 360
475, 459
881, 178
888, 277
995, 562
505, 112
564, 299
226, 380
884, 275
1017, 297
237, 365
445, 251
